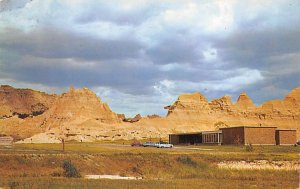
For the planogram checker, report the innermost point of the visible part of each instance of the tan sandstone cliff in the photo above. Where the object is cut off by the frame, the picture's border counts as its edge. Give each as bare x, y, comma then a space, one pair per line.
196, 111
23, 102
19, 105
64, 112
81, 115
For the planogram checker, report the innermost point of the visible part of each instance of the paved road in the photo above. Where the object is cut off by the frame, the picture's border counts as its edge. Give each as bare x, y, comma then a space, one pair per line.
107, 146
129, 146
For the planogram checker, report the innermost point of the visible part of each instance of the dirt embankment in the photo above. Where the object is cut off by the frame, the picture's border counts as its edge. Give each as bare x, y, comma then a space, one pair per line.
260, 164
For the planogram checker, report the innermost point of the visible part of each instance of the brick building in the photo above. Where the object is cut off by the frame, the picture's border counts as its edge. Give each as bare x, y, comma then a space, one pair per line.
241, 135
6, 140
212, 137
285, 136
185, 138
249, 135
205, 137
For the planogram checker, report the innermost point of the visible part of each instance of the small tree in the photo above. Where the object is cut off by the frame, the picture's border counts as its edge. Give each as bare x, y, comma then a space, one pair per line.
249, 148
70, 170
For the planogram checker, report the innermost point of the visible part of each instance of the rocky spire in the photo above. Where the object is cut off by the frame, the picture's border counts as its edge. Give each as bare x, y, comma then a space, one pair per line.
292, 100
223, 103
244, 102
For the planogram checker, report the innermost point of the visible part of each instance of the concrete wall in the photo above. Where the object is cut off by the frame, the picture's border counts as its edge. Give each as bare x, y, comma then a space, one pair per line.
286, 137
234, 135
260, 135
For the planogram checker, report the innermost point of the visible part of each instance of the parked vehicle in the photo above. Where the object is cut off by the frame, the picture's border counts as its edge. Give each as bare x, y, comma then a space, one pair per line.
163, 145
160, 144
136, 143
149, 144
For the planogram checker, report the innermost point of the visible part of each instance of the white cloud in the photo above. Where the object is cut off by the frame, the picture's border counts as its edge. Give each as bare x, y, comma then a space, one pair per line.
210, 54
176, 66
224, 20
34, 86
131, 105
236, 81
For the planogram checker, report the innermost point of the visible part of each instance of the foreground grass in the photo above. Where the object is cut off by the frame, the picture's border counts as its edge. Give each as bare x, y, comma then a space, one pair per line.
47, 183
40, 166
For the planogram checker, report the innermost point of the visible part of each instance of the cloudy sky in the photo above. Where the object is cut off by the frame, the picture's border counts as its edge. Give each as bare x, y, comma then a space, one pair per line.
139, 55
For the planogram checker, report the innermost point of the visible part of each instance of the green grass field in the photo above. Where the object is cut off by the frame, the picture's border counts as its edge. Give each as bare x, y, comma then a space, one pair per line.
40, 166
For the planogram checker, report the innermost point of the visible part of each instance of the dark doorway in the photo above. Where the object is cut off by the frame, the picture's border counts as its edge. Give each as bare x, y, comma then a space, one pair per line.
190, 139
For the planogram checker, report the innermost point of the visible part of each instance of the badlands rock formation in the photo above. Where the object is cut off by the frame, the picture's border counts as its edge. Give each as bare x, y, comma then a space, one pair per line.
19, 105
81, 115
79, 105
194, 110
65, 111
23, 102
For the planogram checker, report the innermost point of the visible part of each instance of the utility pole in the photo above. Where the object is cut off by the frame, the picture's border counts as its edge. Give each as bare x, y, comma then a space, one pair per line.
63, 144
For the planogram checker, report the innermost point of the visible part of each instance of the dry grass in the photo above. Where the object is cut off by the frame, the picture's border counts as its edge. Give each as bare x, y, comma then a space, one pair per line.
47, 183
40, 166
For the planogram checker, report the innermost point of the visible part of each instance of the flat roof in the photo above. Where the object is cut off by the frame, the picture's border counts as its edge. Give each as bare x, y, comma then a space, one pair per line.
196, 133
211, 132
200, 132
247, 127
286, 129
192, 133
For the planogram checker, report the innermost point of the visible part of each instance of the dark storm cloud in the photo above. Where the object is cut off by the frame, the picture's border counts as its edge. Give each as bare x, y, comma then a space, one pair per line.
252, 48
39, 55
56, 43
144, 51
272, 87
176, 48
57, 58
61, 73
274, 51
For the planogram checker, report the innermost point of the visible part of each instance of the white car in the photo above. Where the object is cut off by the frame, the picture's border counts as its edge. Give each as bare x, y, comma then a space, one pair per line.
149, 144
163, 145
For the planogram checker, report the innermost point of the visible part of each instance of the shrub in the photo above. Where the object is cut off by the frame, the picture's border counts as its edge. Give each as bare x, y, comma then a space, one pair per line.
249, 148
187, 161
55, 174
70, 170
13, 184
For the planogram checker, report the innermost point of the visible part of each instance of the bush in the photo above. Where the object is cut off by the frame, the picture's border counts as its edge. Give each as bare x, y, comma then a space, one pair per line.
13, 184
249, 148
187, 161
56, 174
70, 170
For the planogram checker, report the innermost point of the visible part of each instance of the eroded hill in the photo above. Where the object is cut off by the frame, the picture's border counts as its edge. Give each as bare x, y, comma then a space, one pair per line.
194, 109
81, 115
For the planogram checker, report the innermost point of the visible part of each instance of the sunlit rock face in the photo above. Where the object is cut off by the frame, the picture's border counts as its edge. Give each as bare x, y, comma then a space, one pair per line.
194, 110
244, 102
84, 104
64, 111
81, 115
23, 102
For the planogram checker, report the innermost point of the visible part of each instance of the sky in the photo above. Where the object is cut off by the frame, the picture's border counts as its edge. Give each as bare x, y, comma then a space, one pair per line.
140, 55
